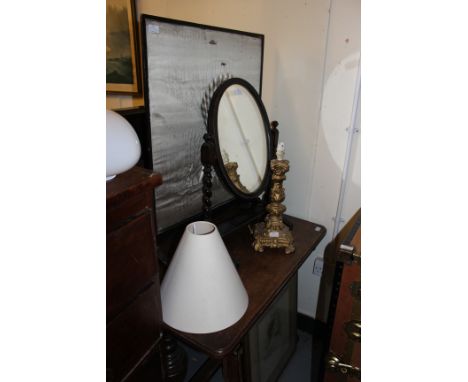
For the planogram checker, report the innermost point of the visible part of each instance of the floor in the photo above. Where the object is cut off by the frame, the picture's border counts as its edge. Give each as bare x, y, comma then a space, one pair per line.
297, 370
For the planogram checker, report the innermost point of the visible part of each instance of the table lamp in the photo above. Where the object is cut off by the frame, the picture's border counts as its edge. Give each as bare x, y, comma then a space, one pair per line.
122, 145
202, 291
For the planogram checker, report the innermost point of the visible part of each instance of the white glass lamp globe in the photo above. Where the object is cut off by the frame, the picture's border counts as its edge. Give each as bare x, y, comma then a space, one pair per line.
123, 148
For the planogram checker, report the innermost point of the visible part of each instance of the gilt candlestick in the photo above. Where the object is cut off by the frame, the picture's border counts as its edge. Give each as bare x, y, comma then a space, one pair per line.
273, 232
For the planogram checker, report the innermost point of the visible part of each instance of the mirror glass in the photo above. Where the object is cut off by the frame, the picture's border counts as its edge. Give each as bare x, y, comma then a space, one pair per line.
242, 138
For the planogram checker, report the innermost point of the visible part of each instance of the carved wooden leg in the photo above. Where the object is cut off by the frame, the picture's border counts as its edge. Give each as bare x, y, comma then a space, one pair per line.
174, 359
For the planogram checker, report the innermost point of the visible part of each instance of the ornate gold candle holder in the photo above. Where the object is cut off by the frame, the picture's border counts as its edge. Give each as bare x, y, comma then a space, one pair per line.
273, 232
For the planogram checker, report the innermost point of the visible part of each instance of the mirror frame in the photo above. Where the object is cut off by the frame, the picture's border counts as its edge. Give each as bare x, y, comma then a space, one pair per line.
212, 128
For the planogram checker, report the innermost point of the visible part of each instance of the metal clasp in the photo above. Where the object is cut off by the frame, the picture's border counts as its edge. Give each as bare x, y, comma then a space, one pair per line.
333, 363
349, 254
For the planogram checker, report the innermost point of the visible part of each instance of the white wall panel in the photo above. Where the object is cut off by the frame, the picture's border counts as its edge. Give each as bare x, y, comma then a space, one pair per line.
340, 74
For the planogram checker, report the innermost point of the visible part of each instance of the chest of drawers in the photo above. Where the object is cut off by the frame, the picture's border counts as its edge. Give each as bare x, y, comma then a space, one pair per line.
133, 306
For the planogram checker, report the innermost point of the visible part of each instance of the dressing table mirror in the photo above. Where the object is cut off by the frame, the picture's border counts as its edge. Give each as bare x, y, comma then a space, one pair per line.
239, 145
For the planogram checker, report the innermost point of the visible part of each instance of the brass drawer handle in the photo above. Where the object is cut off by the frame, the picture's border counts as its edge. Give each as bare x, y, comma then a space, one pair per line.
334, 364
353, 330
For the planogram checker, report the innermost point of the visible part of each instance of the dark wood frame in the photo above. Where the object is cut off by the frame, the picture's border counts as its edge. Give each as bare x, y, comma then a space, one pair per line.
145, 17
143, 27
135, 87
213, 132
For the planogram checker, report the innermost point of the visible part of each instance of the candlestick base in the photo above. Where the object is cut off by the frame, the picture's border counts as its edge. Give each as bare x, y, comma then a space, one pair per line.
265, 237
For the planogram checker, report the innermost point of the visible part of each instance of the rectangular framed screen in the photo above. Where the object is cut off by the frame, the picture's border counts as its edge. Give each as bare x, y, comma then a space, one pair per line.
180, 61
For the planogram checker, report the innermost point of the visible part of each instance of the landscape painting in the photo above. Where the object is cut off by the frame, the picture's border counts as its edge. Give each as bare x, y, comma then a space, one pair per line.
122, 73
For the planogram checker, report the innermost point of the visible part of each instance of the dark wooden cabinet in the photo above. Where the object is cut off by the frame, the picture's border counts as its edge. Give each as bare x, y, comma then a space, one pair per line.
133, 308
264, 332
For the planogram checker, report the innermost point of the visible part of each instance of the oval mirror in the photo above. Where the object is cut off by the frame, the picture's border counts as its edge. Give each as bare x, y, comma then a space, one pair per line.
238, 123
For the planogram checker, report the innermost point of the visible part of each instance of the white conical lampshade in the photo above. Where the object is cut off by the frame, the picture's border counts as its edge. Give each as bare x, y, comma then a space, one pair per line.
202, 291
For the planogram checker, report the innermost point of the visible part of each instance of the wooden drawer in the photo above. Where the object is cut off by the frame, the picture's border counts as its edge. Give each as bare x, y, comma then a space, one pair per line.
131, 262
133, 334
118, 214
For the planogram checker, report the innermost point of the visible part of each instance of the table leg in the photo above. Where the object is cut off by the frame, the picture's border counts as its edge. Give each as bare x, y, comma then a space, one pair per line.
232, 367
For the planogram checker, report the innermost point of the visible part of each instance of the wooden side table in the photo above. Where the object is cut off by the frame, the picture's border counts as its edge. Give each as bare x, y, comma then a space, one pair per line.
264, 276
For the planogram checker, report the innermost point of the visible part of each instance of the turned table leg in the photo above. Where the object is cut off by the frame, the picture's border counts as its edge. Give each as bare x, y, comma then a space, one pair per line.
174, 359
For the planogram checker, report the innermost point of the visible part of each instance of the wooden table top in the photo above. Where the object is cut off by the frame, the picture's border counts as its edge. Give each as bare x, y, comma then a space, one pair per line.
130, 183
264, 275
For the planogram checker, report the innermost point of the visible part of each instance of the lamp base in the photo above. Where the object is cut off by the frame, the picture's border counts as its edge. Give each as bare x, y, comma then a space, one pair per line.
274, 239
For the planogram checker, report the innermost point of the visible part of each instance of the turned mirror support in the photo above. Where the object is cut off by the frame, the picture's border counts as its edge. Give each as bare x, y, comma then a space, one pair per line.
207, 159
274, 137
274, 143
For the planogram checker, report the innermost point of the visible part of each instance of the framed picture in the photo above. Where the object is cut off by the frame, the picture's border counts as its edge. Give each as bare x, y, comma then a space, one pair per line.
180, 62
272, 341
122, 58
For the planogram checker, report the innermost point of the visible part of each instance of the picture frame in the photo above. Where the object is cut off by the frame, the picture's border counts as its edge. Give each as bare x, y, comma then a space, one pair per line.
123, 74
180, 60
